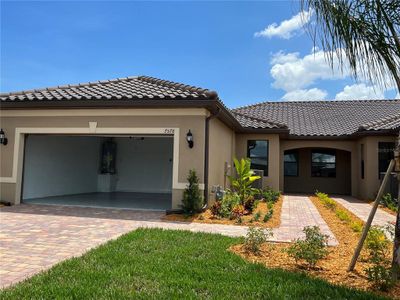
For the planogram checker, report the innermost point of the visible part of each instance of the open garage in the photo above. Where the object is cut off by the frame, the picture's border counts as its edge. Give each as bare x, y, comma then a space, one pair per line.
105, 171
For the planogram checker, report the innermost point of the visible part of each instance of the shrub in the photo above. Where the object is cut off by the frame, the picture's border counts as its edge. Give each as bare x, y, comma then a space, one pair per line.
229, 201
255, 204
268, 215
343, 215
255, 237
389, 202
312, 248
390, 230
192, 201
356, 226
270, 205
376, 241
379, 272
237, 211
270, 195
326, 201
242, 183
249, 203
216, 208
381, 276
257, 216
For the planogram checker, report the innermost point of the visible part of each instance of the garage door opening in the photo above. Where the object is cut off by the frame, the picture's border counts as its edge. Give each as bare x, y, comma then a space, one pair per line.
132, 172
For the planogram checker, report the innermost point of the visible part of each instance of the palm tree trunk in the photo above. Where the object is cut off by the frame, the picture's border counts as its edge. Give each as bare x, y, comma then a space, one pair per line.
396, 245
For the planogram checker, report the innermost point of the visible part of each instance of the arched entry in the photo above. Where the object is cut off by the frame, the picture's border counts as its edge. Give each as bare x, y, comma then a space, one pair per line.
307, 170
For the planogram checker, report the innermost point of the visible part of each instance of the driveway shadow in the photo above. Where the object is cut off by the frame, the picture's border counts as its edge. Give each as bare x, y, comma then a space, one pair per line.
84, 212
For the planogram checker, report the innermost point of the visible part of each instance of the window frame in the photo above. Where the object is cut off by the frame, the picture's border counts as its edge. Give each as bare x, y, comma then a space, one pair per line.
390, 155
296, 153
266, 170
323, 151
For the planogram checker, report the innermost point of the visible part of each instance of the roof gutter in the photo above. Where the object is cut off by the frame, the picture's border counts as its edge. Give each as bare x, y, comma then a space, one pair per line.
207, 153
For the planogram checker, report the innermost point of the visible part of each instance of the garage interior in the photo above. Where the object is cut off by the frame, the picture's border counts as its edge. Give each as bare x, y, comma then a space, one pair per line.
130, 172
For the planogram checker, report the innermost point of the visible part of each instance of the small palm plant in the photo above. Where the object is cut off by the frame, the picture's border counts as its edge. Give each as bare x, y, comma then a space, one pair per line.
242, 183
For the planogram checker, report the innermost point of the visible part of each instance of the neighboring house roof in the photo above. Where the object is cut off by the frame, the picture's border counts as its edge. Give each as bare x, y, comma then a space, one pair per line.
327, 118
128, 88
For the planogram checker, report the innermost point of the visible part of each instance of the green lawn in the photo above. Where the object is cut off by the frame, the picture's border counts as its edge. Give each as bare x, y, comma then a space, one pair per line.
156, 264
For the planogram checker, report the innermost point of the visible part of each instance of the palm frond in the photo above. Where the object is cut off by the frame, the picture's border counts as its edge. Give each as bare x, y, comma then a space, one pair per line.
363, 34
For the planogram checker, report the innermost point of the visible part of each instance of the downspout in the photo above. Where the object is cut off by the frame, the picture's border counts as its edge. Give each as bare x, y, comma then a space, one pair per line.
206, 154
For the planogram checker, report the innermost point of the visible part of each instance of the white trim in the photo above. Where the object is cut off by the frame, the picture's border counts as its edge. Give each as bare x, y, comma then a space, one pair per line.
92, 129
99, 112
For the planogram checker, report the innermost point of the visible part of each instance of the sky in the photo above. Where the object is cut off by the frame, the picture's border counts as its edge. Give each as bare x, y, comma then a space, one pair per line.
248, 52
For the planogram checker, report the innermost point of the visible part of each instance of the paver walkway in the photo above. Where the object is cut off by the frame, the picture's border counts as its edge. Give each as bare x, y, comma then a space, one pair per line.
298, 211
35, 237
362, 209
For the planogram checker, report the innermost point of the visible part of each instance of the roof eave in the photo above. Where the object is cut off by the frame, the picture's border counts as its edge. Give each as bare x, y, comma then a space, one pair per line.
107, 103
362, 133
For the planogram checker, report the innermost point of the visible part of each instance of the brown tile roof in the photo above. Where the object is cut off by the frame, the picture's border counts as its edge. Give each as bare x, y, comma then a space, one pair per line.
313, 118
327, 118
251, 122
128, 88
387, 123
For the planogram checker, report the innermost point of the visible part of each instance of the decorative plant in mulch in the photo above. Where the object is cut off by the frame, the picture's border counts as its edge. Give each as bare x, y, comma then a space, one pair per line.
370, 271
311, 249
389, 202
243, 205
343, 214
192, 201
242, 183
377, 246
255, 237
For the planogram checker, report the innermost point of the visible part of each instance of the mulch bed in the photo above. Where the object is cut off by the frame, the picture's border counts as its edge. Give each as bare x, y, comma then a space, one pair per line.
383, 207
208, 218
387, 210
333, 268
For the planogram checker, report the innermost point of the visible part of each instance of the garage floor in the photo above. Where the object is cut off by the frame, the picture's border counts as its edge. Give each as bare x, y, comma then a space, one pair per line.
127, 200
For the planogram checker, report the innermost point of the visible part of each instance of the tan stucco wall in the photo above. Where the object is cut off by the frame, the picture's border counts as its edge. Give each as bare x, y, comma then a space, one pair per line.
222, 149
305, 183
349, 145
273, 178
188, 158
368, 187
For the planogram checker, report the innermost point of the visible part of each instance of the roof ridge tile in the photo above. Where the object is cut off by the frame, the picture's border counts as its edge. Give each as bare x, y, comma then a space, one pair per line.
177, 85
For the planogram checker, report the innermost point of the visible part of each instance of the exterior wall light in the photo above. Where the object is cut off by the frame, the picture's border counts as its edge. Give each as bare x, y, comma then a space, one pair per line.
189, 138
3, 139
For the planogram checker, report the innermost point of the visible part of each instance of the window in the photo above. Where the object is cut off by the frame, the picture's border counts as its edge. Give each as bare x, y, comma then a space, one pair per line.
385, 154
362, 161
291, 163
257, 151
323, 163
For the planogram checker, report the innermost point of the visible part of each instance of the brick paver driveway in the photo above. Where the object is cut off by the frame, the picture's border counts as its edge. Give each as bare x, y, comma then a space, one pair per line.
35, 237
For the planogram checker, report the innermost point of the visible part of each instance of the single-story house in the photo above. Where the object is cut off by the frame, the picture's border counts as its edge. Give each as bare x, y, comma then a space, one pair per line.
130, 142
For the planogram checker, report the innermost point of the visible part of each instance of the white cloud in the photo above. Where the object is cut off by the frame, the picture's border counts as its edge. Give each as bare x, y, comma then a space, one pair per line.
313, 94
359, 91
281, 57
287, 28
292, 72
